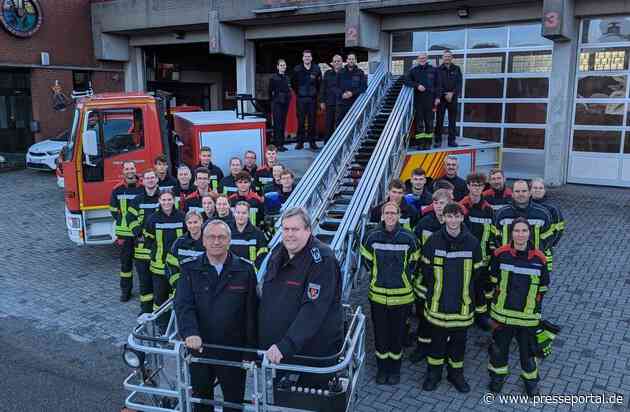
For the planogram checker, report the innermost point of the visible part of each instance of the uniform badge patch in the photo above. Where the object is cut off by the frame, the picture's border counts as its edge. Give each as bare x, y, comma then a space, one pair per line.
317, 256
313, 291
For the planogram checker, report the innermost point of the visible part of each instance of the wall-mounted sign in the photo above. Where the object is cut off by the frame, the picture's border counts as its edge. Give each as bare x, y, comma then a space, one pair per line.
22, 18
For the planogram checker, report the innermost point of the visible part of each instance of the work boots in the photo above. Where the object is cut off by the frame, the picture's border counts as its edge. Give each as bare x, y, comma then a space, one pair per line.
381, 371
419, 353
531, 387
496, 383
125, 295
434, 375
456, 378
394, 371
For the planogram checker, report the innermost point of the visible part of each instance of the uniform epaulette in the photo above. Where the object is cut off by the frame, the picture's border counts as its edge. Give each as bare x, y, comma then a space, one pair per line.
538, 253
504, 248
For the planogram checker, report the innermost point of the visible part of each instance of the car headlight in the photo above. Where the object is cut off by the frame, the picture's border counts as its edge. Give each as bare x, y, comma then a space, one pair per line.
133, 358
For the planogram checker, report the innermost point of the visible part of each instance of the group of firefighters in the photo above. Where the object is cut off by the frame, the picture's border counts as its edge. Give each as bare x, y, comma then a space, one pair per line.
461, 252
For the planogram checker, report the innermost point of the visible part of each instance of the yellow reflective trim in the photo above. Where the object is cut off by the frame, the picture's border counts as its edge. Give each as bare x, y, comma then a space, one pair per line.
512, 320
455, 365
395, 356
481, 309
484, 240
466, 287
126, 274
435, 361
437, 288
252, 253
172, 260
173, 279
438, 260
503, 370
381, 355
530, 303
365, 253
146, 298
425, 260
159, 244
506, 237
530, 375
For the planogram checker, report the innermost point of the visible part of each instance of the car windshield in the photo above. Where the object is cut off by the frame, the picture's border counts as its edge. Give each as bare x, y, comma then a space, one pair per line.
71, 137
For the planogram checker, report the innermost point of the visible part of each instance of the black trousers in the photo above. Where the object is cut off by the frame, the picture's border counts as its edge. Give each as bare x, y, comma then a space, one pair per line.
306, 119
448, 345
232, 381
423, 106
146, 285
331, 120
499, 353
279, 111
452, 119
343, 109
423, 334
389, 332
126, 264
161, 290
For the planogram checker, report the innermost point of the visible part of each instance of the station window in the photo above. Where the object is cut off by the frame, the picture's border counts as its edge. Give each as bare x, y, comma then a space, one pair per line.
81, 81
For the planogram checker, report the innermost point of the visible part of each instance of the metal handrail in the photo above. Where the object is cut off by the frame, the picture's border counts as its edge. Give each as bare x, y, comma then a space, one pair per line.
382, 166
319, 183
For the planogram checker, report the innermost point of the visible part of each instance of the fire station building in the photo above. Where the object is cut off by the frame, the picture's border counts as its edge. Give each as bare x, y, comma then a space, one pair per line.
43, 43
548, 79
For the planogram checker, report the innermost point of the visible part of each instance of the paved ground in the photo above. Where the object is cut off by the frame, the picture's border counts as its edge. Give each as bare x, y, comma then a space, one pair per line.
61, 322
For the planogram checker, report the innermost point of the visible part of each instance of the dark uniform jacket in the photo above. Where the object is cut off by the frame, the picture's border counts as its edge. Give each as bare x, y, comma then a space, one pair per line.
122, 197
249, 244
279, 88
557, 220
498, 198
160, 232
428, 225
300, 309
449, 270
264, 176
140, 210
185, 249
305, 81
425, 75
408, 214
330, 91
180, 193
479, 218
168, 183
419, 201
220, 309
227, 219
537, 216
391, 259
351, 80
449, 80
193, 201
229, 185
256, 206
520, 279
216, 175
461, 188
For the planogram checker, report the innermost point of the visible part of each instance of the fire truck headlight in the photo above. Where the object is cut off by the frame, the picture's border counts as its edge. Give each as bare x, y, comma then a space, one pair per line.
133, 358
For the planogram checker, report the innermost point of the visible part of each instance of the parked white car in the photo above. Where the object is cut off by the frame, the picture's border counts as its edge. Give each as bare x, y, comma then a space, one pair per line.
43, 155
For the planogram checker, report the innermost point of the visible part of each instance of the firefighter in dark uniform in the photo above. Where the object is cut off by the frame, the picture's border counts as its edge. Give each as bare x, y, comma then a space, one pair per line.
254, 200
202, 188
329, 94
248, 241
430, 223
160, 232
185, 249
519, 275
449, 89
451, 260
223, 210
305, 81
300, 310
479, 218
537, 216
165, 180
408, 214
423, 79
184, 185
390, 253
539, 196
418, 193
451, 167
215, 173
280, 96
216, 304
264, 174
143, 206
498, 194
352, 82
229, 182
122, 196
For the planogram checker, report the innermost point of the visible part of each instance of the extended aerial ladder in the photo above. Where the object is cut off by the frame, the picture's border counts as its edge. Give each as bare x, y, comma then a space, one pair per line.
338, 190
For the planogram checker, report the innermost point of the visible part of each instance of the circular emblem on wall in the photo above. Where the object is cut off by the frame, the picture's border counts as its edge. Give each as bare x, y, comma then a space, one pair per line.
22, 18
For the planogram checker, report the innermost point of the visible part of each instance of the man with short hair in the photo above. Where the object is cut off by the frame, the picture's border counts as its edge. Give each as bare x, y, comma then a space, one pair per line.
139, 212
229, 181
498, 195
215, 172
165, 180
479, 219
275, 200
306, 79
390, 254
449, 88
121, 198
451, 260
329, 94
539, 196
430, 223
202, 184
184, 185
245, 194
250, 165
352, 82
418, 193
264, 172
451, 166
216, 304
408, 213
537, 215
300, 311
423, 79
248, 241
